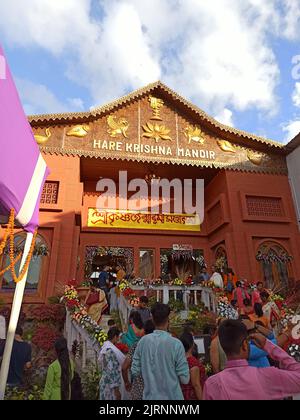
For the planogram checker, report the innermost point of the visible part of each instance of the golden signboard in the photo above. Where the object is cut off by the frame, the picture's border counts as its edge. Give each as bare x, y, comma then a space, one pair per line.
119, 219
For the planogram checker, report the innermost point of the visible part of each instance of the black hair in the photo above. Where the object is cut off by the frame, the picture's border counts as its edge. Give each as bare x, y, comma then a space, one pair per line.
231, 335
136, 319
61, 347
149, 327
111, 323
187, 341
112, 333
19, 330
247, 302
258, 309
144, 299
160, 313
188, 328
238, 284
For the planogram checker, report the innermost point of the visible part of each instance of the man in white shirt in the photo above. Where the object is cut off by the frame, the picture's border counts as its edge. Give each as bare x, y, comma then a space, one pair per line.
2, 328
216, 278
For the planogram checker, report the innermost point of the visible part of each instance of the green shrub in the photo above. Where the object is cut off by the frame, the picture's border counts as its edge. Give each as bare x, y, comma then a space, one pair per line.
176, 305
90, 379
32, 393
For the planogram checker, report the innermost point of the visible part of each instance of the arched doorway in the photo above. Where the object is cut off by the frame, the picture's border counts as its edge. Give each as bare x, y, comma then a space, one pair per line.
37, 268
97, 257
221, 262
275, 263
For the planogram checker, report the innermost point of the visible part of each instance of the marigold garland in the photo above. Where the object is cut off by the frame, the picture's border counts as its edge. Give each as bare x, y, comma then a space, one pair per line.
9, 233
10, 265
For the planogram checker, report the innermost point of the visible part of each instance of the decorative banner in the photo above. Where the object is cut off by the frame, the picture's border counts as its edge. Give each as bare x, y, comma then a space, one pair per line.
120, 219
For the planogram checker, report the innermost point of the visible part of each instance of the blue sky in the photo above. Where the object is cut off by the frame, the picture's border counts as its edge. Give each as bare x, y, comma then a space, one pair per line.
233, 59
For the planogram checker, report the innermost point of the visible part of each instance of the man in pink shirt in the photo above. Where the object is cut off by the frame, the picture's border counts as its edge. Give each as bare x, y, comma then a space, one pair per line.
239, 381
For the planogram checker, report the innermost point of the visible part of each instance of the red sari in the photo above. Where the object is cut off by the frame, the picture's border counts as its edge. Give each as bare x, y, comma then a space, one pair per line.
188, 390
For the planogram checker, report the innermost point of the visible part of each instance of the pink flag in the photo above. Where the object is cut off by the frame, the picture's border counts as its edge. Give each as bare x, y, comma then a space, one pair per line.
23, 170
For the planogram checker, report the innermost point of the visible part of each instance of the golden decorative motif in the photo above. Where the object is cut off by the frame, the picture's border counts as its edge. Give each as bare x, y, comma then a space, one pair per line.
117, 127
156, 132
226, 146
138, 94
156, 105
255, 157
79, 131
43, 139
194, 134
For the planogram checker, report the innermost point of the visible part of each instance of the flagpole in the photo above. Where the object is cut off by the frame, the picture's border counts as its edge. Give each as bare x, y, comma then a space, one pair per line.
14, 318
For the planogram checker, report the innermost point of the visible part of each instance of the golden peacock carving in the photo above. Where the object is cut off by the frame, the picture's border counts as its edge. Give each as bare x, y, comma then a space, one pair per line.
117, 127
194, 134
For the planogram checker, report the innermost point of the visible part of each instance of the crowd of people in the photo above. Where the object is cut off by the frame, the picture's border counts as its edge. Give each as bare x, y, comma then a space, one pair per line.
246, 352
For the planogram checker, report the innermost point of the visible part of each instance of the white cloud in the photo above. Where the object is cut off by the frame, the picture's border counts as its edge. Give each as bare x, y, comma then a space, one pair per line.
38, 99
225, 117
291, 20
292, 128
296, 95
76, 103
215, 53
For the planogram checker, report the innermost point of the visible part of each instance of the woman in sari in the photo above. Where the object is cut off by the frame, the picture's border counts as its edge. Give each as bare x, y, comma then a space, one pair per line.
96, 303
240, 294
135, 330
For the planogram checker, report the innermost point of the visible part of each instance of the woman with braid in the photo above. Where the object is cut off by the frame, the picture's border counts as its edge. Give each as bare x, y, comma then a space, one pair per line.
60, 374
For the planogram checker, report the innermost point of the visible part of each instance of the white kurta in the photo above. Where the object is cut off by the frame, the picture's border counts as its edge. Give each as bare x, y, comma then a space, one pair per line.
218, 280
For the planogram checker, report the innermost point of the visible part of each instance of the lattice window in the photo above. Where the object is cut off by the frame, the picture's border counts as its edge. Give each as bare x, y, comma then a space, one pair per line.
50, 192
265, 207
215, 215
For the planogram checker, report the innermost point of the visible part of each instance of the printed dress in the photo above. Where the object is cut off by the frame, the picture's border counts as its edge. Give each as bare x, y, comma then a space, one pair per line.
137, 390
111, 376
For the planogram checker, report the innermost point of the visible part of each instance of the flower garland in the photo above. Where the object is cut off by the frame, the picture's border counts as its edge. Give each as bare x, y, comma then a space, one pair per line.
157, 282
129, 293
271, 256
79, 314
10, 233
138, 282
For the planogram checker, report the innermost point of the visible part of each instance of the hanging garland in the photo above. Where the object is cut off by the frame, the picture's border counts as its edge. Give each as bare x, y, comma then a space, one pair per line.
14, 258
95, 251
271, 256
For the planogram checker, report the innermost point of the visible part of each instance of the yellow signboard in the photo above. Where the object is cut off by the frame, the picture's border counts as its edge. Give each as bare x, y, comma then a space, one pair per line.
120, 219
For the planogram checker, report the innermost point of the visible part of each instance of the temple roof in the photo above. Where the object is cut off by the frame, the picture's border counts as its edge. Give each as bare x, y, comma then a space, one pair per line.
239, 136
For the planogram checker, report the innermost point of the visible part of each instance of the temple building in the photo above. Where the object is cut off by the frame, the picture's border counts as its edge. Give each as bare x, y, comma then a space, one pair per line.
250, 184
